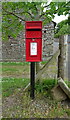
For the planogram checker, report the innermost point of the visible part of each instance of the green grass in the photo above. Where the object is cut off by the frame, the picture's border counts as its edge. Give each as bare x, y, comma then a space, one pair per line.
14, 63
19, 63
15, 76
46, 84
43, 62
67, 111
4, 69
15, 69
68, 83
16, 84
9, 85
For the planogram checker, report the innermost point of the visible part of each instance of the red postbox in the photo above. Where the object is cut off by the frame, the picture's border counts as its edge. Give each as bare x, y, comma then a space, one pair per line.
33, 41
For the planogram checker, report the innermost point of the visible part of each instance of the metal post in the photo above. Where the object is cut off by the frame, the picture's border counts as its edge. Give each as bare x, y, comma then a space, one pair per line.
32, 83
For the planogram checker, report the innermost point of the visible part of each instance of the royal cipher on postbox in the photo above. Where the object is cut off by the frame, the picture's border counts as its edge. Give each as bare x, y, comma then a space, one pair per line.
33, 37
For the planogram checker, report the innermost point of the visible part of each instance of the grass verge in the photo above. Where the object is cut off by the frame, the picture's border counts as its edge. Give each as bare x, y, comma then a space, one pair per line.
15, 63
9, 85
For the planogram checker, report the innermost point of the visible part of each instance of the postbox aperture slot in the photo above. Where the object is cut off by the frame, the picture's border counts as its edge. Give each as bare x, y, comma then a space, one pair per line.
33, 29
33, 33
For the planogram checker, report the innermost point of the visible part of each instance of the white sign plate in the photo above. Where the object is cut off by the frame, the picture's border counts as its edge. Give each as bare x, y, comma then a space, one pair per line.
33, 48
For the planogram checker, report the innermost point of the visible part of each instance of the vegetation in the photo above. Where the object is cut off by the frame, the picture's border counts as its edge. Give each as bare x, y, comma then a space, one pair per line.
14, 99
41, 107
14, 14
45, 85
15, 75
10, 85
15, 63
63, 28
68, 83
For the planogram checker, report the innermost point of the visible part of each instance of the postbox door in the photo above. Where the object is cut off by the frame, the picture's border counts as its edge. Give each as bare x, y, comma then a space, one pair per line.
33, 50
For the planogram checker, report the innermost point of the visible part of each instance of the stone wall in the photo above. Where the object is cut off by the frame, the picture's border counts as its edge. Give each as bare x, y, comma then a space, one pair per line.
14, 49
48, 39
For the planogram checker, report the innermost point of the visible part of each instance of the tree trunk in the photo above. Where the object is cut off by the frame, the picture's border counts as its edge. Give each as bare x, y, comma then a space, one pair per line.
61, 58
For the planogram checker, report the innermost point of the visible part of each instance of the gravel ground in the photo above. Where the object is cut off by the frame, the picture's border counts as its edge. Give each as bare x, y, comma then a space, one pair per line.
20, 105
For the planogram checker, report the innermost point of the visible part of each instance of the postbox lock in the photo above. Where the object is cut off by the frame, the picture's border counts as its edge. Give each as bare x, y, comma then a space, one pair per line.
33, 39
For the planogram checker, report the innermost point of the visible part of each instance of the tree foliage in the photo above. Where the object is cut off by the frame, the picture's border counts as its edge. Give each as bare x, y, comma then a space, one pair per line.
63, 27
14, 14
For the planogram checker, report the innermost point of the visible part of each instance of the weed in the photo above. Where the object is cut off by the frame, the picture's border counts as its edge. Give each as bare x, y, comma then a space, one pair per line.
45, 85
68, 112
68, 83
